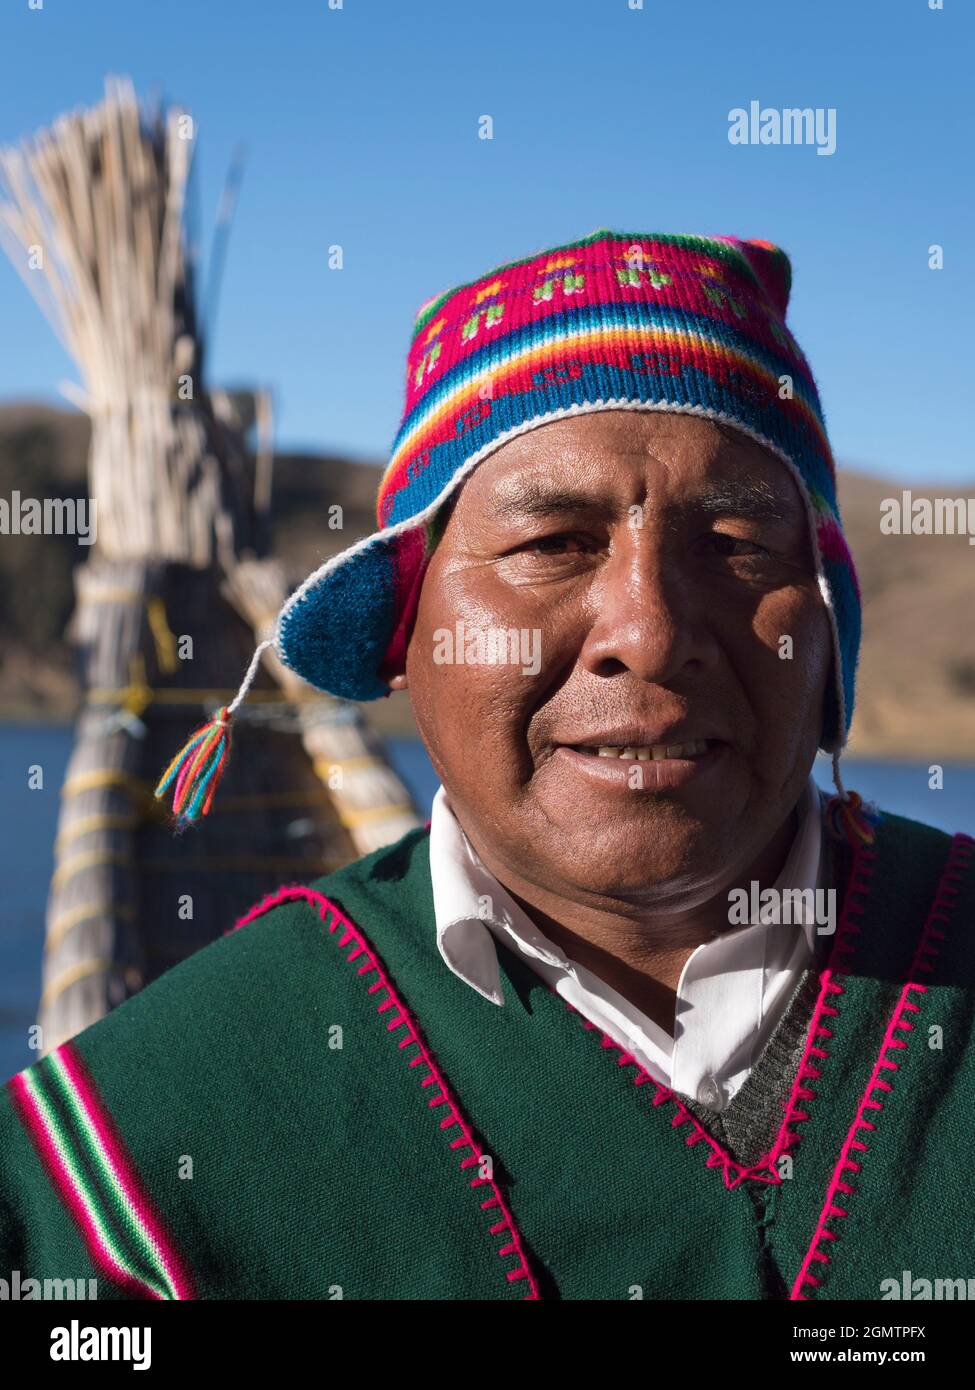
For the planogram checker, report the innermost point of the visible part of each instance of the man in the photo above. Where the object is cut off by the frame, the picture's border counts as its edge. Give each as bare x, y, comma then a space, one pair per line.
549, 1048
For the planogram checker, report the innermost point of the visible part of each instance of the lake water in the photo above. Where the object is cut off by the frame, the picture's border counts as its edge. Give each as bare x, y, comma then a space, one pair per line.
26, 844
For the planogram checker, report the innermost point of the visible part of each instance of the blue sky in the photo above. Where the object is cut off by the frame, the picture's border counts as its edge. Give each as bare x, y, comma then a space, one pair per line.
361, 130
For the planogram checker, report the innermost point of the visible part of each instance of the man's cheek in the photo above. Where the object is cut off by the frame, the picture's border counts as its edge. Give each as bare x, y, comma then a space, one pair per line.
811, 647
788, 632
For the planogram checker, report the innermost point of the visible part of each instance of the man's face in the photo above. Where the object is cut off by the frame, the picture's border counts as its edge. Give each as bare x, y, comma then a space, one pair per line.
661, 568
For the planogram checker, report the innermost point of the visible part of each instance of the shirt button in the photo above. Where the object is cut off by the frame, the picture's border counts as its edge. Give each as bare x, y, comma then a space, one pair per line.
711, 1094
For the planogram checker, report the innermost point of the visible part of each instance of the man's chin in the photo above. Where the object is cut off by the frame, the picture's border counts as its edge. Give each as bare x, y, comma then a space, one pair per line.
640, 864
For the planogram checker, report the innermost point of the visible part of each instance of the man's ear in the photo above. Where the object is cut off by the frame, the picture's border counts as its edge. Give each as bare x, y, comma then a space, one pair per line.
393, 670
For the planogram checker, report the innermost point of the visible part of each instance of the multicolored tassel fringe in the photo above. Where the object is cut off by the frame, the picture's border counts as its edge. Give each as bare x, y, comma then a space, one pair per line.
197, 768
199, 764
850, 819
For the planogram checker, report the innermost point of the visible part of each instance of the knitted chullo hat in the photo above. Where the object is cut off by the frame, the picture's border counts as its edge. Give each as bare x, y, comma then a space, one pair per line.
617, 320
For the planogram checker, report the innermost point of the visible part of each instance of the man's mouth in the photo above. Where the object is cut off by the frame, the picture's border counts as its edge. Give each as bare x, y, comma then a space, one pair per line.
647, 752
667, 759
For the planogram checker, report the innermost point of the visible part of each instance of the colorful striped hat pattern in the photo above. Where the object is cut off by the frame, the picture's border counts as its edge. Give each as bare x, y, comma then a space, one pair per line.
618, 320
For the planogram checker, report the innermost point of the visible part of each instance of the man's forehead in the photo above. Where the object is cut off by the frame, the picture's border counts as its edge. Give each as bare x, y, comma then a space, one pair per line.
723, 471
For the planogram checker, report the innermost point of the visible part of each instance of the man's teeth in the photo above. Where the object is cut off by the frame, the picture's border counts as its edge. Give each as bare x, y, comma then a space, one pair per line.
657, 751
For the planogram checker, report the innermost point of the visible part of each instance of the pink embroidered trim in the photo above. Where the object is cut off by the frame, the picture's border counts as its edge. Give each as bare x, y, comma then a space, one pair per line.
401, 1019
813, 1055
927, 949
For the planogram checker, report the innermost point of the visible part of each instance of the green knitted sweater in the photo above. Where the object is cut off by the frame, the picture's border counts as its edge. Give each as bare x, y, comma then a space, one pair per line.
315, 1107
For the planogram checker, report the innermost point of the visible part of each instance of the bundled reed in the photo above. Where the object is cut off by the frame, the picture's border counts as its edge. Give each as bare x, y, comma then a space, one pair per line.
92, 216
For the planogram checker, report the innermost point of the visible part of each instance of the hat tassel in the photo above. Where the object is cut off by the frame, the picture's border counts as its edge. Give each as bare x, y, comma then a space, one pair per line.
848, 817
199, 765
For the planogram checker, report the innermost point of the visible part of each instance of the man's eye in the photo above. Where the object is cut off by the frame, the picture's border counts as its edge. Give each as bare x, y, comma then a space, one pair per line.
564, 543
733, 546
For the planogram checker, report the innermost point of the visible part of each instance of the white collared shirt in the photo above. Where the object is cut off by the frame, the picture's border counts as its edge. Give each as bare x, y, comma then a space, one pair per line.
731, 993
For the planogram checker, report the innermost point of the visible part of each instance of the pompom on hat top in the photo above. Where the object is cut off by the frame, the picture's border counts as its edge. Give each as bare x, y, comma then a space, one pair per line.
619, 320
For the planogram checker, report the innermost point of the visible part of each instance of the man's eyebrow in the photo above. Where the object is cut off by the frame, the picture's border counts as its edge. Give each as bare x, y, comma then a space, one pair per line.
746, 497
537, 500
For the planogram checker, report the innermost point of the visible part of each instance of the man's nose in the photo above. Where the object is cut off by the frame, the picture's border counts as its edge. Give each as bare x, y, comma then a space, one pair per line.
650, 618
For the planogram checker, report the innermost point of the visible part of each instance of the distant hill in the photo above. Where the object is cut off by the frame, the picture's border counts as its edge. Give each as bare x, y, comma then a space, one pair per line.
916, 694
916, 690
